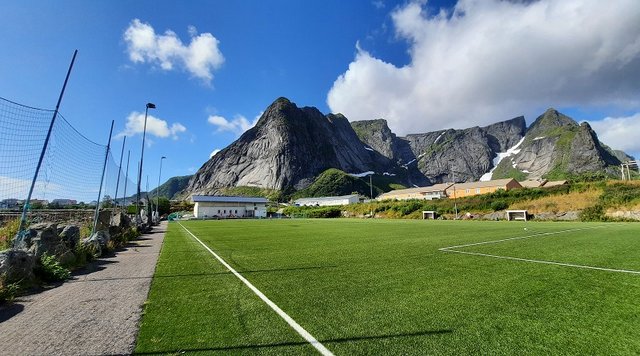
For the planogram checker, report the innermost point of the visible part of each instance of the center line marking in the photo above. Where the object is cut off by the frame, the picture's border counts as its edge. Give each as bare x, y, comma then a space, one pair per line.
299, 329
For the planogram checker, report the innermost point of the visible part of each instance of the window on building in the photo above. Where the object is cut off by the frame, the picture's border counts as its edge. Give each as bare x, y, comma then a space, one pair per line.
218, 211
468, 191
477, 190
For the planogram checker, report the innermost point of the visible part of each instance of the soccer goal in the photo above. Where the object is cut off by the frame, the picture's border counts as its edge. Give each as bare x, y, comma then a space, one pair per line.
428, 214
517, 215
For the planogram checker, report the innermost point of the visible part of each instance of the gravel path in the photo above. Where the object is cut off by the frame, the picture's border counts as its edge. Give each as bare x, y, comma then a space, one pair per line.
95, 313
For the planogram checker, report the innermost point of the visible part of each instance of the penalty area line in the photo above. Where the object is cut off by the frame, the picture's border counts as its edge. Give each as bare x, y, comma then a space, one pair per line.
544, 262
454, 249
294, 325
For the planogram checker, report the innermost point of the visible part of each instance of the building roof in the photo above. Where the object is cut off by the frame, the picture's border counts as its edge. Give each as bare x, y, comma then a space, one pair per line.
433, 188
533, 183
555, 183
485, 184
317, 199
225, 199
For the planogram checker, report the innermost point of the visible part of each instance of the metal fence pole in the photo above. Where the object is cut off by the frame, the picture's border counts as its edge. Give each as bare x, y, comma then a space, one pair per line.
19, 240
126, 179
104, 167
119, 169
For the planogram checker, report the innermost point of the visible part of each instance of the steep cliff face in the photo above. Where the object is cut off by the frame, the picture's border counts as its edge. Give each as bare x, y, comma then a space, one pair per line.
288, 148
377, 136
556, 146
463, 155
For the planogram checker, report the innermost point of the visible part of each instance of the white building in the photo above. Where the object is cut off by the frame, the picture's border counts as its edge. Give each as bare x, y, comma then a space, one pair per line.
227, 207
328, 201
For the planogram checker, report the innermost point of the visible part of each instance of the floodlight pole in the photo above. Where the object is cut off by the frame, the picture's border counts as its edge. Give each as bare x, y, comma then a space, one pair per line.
144, 133
157, 189
19, 240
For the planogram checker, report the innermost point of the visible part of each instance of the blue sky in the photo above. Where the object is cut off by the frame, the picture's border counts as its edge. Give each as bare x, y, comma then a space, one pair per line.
422, 65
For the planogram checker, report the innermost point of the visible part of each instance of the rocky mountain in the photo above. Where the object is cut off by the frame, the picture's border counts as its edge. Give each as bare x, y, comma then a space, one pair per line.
171, 187
463, 155
286, 149
290, 147
556, 146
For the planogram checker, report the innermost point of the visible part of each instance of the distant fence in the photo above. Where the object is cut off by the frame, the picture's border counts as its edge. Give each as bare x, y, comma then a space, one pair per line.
71, 168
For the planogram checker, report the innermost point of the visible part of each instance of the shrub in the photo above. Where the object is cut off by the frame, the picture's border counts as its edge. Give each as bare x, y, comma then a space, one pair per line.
7, 232
84, 254
8, 291
328, 212
593, 213
499, 205
49, 269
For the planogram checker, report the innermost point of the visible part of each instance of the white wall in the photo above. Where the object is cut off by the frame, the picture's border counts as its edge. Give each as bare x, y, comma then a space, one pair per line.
203, 210
331, 202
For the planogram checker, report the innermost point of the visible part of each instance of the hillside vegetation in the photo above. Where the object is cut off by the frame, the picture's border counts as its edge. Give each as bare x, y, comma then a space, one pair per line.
334, 182
594, 199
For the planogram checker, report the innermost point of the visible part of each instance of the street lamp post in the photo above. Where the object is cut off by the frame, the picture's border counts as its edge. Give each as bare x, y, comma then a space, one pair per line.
455, 202
144, 132
157, 189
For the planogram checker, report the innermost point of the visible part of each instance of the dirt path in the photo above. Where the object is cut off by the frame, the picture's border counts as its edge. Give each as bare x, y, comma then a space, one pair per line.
95, 313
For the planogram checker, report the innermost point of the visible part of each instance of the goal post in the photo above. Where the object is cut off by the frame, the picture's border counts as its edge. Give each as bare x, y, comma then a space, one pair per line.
428, 214
517, 215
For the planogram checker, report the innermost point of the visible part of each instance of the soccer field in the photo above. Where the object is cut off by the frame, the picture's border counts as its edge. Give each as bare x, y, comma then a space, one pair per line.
396, 287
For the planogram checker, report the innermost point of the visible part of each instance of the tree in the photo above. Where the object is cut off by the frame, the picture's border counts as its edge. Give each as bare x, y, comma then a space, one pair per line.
164, 206
107, 202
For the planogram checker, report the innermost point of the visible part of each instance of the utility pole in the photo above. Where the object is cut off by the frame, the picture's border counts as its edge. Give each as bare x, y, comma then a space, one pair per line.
455, 202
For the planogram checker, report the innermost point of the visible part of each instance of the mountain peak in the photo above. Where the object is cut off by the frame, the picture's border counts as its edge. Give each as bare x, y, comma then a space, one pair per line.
550, 120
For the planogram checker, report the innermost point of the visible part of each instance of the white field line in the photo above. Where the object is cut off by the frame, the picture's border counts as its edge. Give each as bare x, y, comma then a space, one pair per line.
520, 237
299, 329
453, 249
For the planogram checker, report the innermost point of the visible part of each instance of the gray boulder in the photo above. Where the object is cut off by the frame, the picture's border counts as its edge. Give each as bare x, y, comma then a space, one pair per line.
104, 220
496, 215
45, 239
17, 265
568, 216
121, 220
70, 236
97, 242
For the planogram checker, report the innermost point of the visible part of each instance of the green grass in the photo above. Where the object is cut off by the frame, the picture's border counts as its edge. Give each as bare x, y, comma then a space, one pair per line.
382, 286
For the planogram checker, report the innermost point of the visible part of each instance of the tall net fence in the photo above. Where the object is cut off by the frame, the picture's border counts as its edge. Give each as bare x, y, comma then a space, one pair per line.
22, 133
119, 186
70, 173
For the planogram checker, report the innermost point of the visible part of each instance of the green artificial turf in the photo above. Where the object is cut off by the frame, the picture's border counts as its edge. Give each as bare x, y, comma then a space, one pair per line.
383, 287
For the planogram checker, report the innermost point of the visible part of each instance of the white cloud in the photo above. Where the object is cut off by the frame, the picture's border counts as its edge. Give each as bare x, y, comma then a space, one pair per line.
214, 152
200, 57
620, 133
490, 60
238, 124
155, 126
378, 4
